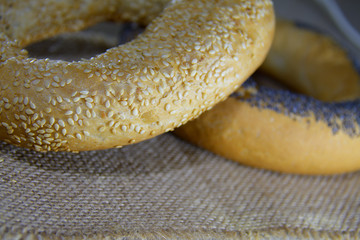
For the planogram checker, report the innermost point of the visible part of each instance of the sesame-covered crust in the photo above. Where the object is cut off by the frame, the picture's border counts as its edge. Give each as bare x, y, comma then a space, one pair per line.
189, 58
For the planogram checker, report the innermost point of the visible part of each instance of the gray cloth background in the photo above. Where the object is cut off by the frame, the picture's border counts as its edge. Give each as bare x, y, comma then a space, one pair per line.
165, 188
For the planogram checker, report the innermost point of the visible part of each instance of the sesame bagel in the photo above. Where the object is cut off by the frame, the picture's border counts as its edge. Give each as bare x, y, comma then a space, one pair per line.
29, 21
312, 63
193, 55
282, 131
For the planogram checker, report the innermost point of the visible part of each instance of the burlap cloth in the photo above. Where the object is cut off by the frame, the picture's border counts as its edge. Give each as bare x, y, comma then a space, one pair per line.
165, 188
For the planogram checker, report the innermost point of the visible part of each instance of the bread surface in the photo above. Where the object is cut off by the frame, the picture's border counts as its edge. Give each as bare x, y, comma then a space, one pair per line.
312, 63
193, 55
280, 131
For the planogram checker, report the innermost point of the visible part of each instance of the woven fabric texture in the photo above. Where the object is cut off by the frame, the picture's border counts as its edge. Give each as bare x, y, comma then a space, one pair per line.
167, 186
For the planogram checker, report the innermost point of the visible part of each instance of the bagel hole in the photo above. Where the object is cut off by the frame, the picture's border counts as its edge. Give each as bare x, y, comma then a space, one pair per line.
84, 44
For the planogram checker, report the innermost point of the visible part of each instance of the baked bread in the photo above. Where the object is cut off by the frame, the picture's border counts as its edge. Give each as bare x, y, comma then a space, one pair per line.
281, 131
312, 63
193, 55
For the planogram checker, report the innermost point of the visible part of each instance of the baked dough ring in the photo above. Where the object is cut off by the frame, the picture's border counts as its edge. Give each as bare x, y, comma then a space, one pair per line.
189, 58
281, 131
30, 21
311, 63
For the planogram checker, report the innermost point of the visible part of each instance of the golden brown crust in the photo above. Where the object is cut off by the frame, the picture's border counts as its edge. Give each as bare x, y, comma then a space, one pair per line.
265, 138
29, 21
311, 63
282, 131
188, 59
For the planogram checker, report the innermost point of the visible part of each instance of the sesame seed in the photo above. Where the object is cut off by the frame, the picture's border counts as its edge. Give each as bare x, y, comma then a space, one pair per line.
102, 129
7, 106
167, 107
107, 104
117, 124
137, 129
71, 121
15, 100
29, 111
89, 99
41, 131
34, 117
78, 110
111, 123
135, 112
89, 105
110, 114
78, 136
123, 128
61, 123
35, 82
42, 122
26, 100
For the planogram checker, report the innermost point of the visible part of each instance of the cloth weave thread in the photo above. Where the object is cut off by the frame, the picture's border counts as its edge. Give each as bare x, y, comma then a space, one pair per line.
165, 185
